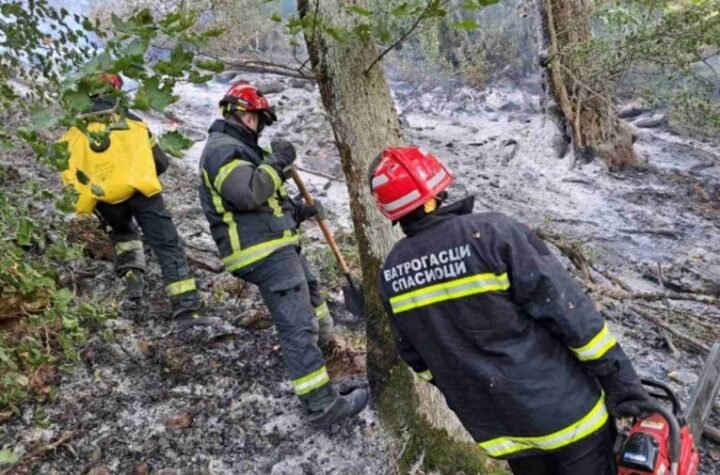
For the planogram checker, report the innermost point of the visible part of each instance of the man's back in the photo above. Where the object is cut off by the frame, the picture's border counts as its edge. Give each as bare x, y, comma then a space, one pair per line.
450, 291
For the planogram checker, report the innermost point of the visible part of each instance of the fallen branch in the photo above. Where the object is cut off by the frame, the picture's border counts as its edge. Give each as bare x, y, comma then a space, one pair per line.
612, 278
321, 174
655, 296
570, 248
688, 340
712, 433
37, 454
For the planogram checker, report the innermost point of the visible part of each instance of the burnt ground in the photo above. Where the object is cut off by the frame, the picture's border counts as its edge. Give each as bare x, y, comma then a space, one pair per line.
143, 402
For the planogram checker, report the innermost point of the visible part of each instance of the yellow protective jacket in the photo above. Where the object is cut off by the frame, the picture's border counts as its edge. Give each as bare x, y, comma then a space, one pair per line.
115, 169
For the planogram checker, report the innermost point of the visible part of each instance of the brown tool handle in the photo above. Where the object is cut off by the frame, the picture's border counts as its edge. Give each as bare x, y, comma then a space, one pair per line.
321, 222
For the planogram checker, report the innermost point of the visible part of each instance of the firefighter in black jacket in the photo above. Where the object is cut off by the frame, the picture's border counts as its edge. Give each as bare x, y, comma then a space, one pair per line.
148, 211
254, 224
481, 309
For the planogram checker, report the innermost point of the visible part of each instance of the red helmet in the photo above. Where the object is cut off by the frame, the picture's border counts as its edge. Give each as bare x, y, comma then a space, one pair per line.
112, 79
403, 179
243, 96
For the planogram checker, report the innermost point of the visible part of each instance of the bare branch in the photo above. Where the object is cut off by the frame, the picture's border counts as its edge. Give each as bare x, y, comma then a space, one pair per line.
404, 36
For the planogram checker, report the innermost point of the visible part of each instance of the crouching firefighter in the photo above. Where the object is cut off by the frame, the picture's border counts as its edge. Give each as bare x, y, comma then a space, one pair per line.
116, 176
482, 309
254, 224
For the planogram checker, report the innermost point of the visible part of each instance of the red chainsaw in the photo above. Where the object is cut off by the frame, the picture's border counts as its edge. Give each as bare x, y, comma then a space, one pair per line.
664, 443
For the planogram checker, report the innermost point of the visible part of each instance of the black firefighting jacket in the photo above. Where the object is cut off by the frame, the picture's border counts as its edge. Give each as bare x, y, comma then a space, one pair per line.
244, 199
483, 310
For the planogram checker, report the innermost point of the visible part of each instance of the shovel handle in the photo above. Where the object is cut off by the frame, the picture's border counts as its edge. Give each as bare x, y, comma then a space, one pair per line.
321, 222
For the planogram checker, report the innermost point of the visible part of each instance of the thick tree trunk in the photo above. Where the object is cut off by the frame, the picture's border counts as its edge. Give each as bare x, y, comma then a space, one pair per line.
584, 101
364, 121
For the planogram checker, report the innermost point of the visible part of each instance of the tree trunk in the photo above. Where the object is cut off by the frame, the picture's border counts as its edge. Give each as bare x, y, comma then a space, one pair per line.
583, 99
364, 121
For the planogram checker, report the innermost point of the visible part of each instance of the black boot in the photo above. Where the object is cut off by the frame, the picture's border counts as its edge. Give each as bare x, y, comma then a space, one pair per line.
193, 324
340, 409
134, 285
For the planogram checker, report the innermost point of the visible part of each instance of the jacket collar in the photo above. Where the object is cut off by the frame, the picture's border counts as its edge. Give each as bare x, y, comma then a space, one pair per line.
442, 214
237, 131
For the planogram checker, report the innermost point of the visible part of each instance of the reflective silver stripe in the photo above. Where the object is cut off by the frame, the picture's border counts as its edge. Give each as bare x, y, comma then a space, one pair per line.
253, 254
432, 182
322, 311
590, 423
454, 289
425, 375
404, 201
597, 346
181, 287
311, 382
379, 180
126, 246
277, 182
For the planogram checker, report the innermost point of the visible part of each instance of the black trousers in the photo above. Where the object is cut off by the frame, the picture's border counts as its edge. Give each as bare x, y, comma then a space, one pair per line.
285, 284
160, 233
590, 456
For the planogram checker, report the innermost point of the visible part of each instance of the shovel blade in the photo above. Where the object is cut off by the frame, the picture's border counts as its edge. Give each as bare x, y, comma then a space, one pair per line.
354, 300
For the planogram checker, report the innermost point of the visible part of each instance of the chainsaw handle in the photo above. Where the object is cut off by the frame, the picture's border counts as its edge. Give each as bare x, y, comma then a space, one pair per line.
673, 425
667, 395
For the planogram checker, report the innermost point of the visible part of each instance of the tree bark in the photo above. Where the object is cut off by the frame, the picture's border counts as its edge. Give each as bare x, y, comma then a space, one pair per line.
583, 99
364, 121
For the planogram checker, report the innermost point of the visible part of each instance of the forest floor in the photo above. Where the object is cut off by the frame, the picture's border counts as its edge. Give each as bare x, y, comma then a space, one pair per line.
142, 401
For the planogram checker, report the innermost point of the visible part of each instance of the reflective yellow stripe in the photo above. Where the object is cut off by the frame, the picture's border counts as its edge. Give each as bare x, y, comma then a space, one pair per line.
181, 287
225, 172
311, 382
425, 375
454, 289
275, 206
127, 246
322, 311
258, 252
273, 174
227, 216
594, 420
597, 347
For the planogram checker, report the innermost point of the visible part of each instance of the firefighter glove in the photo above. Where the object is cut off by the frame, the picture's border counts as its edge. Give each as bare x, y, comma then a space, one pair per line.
304, 212
623, 390
283, 155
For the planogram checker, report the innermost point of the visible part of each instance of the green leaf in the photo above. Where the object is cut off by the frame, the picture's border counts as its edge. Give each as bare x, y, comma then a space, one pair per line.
67, 200
82, 177
276, 17
152, 95
213, 32
25, 229
177, 64
361, 11
467, 24
197, 78
8, 457
175, 143
43, 119
97, 190
213, 65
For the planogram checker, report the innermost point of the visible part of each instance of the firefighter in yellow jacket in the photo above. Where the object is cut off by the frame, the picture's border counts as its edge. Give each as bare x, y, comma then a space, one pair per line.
116, 177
